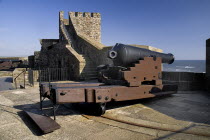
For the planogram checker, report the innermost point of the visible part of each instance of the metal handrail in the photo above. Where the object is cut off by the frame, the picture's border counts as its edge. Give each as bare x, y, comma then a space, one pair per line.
18, 76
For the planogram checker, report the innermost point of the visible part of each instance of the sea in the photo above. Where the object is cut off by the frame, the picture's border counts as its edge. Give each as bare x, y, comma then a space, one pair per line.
197, 66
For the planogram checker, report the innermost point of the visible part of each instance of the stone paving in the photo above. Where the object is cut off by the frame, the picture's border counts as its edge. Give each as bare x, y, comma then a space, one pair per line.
182, 109
5, 83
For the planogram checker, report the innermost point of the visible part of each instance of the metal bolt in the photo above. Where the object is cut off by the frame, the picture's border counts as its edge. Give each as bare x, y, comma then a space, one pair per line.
99, 97
106, 98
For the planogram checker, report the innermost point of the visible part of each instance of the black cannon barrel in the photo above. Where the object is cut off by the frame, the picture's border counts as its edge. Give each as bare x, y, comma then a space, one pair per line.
125, 55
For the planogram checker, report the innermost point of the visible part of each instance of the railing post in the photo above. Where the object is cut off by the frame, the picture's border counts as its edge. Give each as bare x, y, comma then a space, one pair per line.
24, 79
15, 83
39, 76
49, 77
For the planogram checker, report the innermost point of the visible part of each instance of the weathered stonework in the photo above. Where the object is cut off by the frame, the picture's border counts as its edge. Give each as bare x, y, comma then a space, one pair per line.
87, 23
186, 81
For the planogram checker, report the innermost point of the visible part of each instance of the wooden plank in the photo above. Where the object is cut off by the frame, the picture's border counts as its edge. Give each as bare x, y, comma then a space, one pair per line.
46, 124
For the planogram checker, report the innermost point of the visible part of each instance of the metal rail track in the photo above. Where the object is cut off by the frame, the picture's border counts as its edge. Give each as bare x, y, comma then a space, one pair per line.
106, 118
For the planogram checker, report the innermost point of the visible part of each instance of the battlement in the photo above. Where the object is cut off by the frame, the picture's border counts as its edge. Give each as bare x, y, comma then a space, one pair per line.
61, 13
84, 14
87, 23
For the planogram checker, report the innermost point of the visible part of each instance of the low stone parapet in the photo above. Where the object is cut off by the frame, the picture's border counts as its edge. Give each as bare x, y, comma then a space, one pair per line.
186, 81
5, 73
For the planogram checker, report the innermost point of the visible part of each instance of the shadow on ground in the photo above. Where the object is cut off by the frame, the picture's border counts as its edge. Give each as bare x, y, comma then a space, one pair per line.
192, 106
6, 83
8, 79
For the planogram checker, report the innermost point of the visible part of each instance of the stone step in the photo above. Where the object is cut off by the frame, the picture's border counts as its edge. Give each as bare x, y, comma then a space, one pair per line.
90, 74
91, 78
90, 64
91, 68
86, 71
86, 67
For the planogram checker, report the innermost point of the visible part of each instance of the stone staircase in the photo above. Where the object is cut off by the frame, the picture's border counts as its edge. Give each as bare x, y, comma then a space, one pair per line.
89, 72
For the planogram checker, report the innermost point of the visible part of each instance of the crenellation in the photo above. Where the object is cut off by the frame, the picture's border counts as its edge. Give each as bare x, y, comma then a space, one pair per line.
61, 15
72, 14
96, 15
79, 14
86, 14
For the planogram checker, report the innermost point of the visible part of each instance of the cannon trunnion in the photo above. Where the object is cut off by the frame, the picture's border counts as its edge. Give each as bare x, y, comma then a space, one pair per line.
136, 74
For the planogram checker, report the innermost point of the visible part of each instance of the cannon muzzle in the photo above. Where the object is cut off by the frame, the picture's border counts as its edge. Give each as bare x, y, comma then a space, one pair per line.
125, 55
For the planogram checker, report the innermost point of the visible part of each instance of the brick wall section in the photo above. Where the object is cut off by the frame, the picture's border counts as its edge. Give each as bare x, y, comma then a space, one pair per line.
186, 81
208, 64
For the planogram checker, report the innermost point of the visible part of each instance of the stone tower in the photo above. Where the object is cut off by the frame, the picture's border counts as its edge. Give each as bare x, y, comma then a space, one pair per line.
87, 23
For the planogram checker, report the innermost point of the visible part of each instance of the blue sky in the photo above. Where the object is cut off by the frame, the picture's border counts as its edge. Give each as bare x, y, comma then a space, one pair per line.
180, 27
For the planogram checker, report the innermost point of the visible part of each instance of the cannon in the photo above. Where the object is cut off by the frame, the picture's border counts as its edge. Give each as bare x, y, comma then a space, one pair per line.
127, 58
135, 74
125, 55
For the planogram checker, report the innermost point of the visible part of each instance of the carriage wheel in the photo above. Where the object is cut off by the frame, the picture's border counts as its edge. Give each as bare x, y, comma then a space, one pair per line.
100, 109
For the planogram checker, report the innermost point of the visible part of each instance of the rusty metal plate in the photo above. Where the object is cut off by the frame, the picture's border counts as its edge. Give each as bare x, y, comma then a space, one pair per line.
70, 95
145, 70
103, 95
44, 87
131, 93
46, 124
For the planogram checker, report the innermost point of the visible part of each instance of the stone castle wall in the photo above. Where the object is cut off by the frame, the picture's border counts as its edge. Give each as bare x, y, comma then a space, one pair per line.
59, 57
186, 81
96, 55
